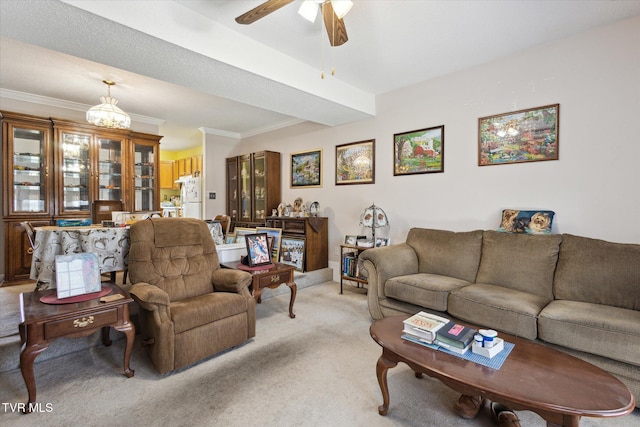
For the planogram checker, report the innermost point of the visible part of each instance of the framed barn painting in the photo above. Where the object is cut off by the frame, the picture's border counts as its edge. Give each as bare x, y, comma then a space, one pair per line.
355, 163
306, 169
419, 151
519, 137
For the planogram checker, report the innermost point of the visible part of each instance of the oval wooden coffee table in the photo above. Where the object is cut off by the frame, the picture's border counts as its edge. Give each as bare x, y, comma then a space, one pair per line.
557, 386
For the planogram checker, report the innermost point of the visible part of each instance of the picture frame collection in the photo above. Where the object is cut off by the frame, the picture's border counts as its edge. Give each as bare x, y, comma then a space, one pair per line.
522, 136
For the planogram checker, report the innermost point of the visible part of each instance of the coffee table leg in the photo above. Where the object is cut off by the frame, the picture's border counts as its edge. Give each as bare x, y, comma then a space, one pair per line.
294, 290
383, 365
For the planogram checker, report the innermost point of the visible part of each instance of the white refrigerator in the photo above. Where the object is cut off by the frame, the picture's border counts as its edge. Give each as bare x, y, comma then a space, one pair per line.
191, 196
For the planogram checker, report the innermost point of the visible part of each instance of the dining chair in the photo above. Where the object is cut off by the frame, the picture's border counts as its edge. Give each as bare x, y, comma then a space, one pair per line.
101, 211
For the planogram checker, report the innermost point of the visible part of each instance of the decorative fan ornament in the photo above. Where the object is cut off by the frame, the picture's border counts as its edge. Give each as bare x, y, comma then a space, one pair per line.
332, 13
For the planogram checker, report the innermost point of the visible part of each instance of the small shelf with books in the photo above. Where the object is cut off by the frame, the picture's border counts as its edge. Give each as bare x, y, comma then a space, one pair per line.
350, 268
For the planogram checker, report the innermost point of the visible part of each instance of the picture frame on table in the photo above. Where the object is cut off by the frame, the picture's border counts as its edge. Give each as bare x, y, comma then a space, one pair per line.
523, 136
306, 169
276, 235
240, 232
419, 151
292, 252
355, 163
230, 238
258, 252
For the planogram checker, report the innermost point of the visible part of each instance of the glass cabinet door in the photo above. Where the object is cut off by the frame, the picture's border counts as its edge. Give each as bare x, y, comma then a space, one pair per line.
109, 169
259, 189
232, 188
29, 188
145, 159
245, 188
76, 173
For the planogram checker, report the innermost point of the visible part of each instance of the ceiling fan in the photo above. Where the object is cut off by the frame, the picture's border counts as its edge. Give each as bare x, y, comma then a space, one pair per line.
332, 13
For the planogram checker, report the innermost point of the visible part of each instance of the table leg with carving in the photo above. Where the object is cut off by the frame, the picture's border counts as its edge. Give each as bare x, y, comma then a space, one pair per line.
383, 365
28, 356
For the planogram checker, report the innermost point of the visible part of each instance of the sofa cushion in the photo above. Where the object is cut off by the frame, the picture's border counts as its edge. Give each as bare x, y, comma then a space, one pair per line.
190, 313
426, 290
447, 253
507, 310
599, 272
594, 328
522, 262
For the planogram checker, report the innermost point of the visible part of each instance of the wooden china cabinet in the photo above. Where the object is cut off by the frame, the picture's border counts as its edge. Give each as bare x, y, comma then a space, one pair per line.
253, 187
55, 169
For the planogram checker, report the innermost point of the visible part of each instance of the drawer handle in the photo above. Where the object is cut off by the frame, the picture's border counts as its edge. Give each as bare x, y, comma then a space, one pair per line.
83, 323
275, 279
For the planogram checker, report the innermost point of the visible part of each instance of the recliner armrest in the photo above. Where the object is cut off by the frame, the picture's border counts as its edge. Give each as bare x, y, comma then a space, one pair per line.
149, 296
230, 280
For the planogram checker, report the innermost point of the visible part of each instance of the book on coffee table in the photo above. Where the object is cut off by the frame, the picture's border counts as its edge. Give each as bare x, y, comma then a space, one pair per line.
424, 325
456, 335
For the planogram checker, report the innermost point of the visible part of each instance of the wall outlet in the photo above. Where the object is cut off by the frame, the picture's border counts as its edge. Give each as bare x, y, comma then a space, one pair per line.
212, 196
336, 251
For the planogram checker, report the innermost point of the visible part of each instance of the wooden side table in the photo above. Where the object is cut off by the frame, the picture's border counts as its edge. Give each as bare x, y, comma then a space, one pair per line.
42, 323
279, 274
349, 255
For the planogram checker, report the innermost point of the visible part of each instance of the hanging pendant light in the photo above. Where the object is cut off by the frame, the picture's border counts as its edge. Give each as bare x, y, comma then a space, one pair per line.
107, 114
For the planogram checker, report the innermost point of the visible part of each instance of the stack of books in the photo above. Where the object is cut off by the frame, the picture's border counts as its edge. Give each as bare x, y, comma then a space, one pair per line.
423, 327
455, 337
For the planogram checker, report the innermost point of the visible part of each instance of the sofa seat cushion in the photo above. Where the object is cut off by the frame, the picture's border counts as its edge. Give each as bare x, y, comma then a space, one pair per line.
508, 310
423, 289
190, 313
593, 328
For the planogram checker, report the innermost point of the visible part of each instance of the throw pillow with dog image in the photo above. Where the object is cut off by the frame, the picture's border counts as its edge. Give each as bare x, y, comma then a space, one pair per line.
526, 222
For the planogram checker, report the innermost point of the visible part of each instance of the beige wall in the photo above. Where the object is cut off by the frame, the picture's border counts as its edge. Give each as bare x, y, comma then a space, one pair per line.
593, 188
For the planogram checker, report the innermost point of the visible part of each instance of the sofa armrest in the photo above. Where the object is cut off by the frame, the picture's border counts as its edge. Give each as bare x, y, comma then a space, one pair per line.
230, 280
382, 264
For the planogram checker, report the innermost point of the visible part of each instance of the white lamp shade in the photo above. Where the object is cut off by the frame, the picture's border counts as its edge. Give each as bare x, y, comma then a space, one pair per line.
108, 115
309, 10
341, 7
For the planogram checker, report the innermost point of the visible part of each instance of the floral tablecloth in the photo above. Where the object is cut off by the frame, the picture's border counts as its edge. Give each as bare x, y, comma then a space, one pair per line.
111, 245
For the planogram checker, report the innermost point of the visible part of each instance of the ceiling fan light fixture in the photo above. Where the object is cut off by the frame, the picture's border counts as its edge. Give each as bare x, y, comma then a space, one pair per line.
341, 7
107, 114
309, 10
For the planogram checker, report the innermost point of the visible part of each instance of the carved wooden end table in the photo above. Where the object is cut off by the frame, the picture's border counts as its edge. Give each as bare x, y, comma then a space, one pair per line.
279, 274
42, 323
558, 387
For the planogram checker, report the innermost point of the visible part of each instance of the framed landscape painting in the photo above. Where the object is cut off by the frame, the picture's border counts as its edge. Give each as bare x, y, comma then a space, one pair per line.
306, 169
518, 137
419, 151
355, 163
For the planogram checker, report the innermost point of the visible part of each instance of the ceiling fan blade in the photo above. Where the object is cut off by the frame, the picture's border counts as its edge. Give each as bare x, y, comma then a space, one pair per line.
261, 11
335, 26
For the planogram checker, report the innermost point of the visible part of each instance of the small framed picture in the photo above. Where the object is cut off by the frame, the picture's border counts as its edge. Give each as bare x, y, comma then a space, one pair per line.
275, 234
292, 252
230, 238
306, 169
355, 163
381, 242
240, 232
258, 252
419, 151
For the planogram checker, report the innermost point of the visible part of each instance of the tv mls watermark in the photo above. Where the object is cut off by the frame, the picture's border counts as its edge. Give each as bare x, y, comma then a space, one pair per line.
27, 407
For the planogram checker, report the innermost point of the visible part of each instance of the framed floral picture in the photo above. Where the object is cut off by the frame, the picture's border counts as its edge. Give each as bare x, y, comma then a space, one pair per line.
518, 137
306, 169
419, 151
355, 163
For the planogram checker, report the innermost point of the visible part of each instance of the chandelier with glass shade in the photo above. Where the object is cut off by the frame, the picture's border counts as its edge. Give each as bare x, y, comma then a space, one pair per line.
107, 114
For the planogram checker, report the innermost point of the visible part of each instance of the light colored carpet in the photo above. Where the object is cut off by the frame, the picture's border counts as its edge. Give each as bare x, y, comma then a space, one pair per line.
315, 370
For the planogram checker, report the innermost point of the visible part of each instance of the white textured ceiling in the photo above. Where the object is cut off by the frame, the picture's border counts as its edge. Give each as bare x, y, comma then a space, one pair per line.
189, 65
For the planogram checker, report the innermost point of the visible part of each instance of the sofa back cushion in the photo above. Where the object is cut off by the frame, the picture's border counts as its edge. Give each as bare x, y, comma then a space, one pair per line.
600, 272
447, 253
519, 261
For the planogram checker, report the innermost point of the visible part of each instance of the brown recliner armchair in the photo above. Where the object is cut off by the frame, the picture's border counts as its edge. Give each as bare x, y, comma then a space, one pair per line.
190, 307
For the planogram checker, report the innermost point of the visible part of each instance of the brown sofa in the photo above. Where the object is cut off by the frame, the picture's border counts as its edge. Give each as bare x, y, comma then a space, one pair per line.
189, 307
573, 293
